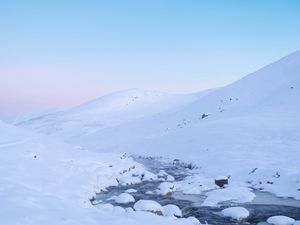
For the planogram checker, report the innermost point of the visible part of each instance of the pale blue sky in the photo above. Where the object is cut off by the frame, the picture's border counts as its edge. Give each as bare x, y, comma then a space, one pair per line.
61, 53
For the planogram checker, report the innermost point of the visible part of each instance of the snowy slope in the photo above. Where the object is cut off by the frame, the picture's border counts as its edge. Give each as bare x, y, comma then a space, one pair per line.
107, 111
46, 182
252, 125
265, 100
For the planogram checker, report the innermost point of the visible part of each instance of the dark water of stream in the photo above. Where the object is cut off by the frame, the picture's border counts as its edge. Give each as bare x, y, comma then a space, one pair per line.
264, 206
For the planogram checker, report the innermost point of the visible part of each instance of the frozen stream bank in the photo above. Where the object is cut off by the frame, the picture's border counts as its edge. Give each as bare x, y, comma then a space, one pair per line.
263, 206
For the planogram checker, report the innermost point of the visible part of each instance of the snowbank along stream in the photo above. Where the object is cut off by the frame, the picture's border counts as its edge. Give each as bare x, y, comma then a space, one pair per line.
261, 208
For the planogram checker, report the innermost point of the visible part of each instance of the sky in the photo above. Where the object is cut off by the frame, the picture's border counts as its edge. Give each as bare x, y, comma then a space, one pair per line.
61, 53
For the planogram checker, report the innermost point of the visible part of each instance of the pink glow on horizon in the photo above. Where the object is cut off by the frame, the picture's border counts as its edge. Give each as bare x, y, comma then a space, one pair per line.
30, 89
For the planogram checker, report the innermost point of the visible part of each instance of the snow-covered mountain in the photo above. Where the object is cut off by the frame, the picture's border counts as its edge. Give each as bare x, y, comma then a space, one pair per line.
252, 123
107, 111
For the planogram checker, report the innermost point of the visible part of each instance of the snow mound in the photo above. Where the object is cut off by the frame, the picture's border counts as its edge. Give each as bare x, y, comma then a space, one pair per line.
281, 220
237, 213
172, 210
165, 188
195, 184
148, 206
148, 176
162, 173
128, 179
170, 178
124, 198
234, 194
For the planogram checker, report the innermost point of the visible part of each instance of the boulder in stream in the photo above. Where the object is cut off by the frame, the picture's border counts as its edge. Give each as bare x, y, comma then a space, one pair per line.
237, 213
281, 220
124, 198
221, 181
148, 206
172, 210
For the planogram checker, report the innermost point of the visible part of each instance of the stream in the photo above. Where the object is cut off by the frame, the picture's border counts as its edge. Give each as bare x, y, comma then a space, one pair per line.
261, 208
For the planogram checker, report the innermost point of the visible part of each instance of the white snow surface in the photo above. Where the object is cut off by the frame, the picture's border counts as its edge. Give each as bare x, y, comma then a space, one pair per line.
148, 205
251, 133
172, 210
148, 176
127, 179
234, 194
47, 182
281, 220
170, 178
124, 198
165, 188
237, 213
108, 111
194, 220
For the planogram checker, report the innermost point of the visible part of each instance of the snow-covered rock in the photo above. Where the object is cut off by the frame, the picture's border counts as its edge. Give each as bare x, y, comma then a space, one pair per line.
237, 213
170, 178
148, 206
148, 176
172, 210
165, 188
162, 173
221, 181
234, 194
195, 184
281, 220
124, 198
